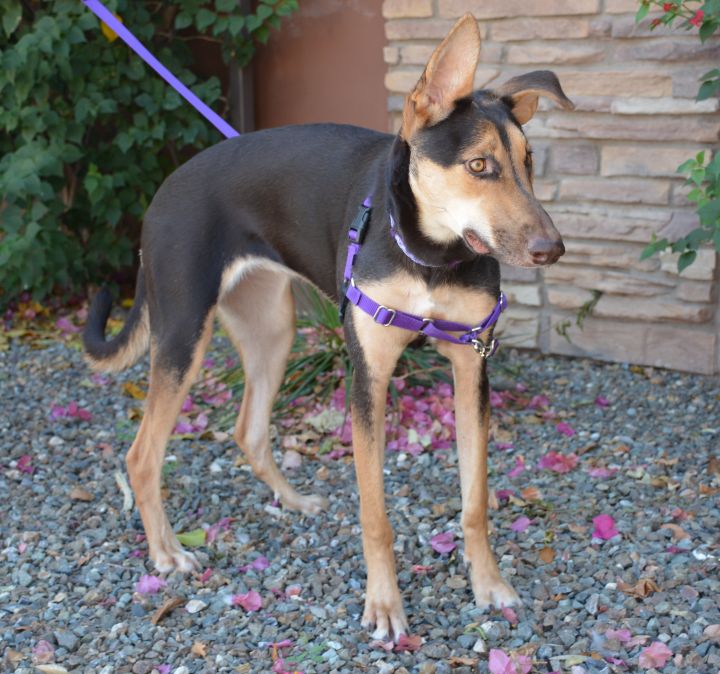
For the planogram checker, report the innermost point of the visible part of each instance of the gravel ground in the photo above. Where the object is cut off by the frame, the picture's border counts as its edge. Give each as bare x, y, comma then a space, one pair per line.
71, 556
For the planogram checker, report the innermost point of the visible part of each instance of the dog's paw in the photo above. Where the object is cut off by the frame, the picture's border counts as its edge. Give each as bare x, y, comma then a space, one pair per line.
385, 616
174, 558
309, 505
494, 591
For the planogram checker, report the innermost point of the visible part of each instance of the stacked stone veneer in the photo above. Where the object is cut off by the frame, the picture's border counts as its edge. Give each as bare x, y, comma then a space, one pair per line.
605, 172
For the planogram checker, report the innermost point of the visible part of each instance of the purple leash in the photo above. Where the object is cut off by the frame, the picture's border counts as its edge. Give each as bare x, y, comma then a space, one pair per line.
385, 316
107, 17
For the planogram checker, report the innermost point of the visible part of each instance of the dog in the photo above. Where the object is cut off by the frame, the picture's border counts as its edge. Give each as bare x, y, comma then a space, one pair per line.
441, 203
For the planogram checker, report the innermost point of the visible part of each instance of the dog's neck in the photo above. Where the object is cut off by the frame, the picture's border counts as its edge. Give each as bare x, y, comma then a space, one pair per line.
417, 245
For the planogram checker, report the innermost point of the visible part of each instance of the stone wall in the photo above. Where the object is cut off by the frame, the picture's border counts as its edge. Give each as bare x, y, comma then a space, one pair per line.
605, 172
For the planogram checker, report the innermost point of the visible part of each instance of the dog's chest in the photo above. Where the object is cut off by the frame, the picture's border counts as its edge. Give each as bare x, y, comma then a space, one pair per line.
447, 301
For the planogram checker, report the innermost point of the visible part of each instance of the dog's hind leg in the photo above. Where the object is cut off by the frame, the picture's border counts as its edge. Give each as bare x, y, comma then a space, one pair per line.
259, 316
175, 361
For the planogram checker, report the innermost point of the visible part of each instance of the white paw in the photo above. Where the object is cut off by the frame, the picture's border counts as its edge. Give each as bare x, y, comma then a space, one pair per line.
387, 616
175, 559
494, 592
309, 505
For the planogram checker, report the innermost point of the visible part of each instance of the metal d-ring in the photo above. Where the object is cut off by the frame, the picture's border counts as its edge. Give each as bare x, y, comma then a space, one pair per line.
483, 350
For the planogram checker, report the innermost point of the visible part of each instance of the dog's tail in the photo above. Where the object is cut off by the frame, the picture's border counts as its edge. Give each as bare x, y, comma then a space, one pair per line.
129, 344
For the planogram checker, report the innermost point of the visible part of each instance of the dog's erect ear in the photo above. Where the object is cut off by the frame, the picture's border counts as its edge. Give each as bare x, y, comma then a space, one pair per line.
522, 93
448, 76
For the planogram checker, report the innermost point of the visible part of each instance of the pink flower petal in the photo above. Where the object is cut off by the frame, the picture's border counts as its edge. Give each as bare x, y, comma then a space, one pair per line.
293, 590
509, 614
149, 584
43, 652
66, 326
559, 463
205, 575
504, 445
24, 464
408, 643
504, 494
163, 669
655, 655
623, 636
601, 472
443, 543
57, 412
565, 429
601, 401
260, 563
499, 662
187, 405
604, 527
420, 568
539, 402
520, 524
250, 601
519, 467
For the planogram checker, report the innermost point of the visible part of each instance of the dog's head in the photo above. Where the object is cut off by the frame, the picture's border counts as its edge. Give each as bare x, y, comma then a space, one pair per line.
470, 164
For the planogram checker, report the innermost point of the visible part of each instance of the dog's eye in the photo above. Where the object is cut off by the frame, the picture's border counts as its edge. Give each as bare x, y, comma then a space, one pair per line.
477, 165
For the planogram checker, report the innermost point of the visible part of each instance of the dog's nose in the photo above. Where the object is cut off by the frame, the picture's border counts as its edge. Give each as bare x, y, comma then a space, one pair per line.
545, 251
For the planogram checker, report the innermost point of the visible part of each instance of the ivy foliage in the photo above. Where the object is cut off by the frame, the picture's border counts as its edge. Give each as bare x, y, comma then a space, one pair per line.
88, 132
702, 171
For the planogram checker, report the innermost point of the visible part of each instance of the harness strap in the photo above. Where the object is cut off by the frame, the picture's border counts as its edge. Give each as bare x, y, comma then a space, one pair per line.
387, 317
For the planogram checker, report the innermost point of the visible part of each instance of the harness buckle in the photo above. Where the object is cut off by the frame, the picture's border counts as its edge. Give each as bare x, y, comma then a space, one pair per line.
425, 323
482, 349
392, 313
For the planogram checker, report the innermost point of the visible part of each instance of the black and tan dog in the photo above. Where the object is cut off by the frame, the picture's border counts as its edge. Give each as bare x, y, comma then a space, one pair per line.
227, 232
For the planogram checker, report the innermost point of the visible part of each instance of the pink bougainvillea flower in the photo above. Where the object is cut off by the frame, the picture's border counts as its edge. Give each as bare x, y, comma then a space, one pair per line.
668, 6
223, 524
66, 326
293, 591
623, 635
420, 568
519, 467
539, 402
24, 464
504, 445
601, 471
565, 428
559, 463
187, 405
208, 363
499, 662
408, 643
504, 494
150, 584
250, 601
22, 547
601, 401
183, 428
509, 614
163, 669
496, 399
697, 18
604, 527
43, 652
655, 655
520, 524
205, 576
260, 563
443, 543
99, 379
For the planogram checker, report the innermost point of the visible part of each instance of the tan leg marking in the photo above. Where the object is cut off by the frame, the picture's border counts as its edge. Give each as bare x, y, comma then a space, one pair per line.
472, 441
259, 315
383, 606
145, 458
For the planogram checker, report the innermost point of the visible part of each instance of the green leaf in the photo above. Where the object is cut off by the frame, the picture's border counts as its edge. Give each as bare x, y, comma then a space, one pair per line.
183, 20
655, 246
11, 17
193, 539
685, 260
226, 5
204, 18
642, 11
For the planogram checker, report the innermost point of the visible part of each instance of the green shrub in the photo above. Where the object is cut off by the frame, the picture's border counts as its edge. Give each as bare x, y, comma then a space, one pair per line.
88, 132
703, 173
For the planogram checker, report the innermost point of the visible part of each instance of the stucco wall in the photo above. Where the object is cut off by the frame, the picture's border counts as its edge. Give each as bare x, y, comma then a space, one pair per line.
605, 172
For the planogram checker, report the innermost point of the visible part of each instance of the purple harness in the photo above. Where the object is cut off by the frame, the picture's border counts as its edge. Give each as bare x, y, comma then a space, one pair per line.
385, 316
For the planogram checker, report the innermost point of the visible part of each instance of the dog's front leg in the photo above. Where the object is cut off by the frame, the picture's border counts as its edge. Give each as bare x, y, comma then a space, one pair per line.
374, 351
472, 418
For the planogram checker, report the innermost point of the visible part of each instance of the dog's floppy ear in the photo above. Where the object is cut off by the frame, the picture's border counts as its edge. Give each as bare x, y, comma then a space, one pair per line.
448, 76
522, 93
